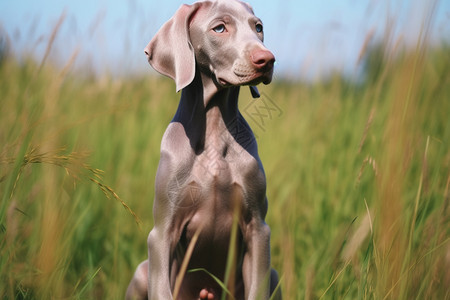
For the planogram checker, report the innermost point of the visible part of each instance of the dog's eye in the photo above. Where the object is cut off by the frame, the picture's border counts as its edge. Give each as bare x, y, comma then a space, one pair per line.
219, 29
259, 28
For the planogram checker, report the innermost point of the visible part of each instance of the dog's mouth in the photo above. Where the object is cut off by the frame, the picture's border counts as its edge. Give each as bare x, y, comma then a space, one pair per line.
246, 75
223, 82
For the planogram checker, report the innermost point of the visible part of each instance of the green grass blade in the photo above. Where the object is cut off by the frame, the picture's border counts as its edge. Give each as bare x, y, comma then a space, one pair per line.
217, 280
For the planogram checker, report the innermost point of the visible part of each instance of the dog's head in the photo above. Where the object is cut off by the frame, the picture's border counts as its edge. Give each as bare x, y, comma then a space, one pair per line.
222, 38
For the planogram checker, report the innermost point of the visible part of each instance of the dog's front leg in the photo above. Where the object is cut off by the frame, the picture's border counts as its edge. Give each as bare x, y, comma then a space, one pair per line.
159, 256
256, 265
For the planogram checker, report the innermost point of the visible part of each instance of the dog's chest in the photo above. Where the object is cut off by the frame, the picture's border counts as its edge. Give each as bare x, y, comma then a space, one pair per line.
227, 145
227, 157
221, 170
206, 188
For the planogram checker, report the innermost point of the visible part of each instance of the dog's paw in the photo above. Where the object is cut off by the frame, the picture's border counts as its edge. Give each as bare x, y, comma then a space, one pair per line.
205, 295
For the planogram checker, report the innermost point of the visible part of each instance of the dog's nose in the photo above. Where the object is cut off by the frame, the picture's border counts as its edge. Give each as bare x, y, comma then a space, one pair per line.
262, 59
147, 50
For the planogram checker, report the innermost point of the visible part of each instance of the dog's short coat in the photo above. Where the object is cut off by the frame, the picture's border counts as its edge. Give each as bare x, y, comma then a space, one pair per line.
209, 169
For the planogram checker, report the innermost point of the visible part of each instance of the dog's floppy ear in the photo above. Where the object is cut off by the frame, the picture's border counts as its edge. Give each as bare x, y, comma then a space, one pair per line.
170, 52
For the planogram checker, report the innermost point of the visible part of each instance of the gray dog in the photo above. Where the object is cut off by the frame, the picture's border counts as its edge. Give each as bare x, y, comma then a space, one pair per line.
209, 172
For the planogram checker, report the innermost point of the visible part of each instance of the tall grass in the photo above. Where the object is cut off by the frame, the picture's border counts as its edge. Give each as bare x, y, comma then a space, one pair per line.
358, 183
358, 179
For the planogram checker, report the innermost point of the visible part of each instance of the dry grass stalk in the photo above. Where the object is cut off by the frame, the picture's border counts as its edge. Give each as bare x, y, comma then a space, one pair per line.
52, 40
391, 235
74, 166
185, 262
367, 161
358, 237
366, 129
365, 47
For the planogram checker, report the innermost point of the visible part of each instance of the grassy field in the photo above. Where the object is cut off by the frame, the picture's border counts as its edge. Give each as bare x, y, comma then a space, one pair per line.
358, 178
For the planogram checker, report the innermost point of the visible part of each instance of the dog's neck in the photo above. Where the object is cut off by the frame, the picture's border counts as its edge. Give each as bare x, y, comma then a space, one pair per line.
204, 107
203, 95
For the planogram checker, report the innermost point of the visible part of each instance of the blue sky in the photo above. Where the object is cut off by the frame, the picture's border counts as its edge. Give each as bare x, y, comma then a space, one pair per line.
308, 38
